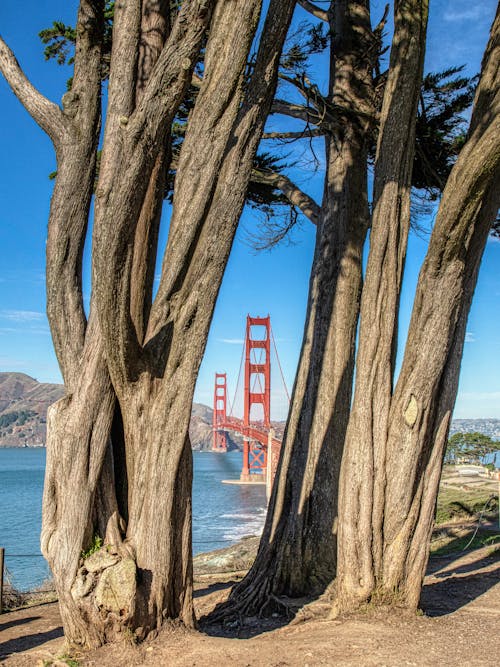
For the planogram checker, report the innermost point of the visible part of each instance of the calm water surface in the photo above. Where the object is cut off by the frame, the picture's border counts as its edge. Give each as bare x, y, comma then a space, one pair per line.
222, 513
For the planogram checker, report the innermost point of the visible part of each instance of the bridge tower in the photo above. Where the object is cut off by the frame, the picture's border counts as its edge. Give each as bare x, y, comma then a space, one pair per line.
219, 442
257, 374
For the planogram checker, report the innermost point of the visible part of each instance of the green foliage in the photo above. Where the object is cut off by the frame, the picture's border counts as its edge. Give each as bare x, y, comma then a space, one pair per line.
65, 658
95, 546
470, 448
60, 39
441, 127
309, 39
460, 543
496, 227
59, 43
263, 195
16, 417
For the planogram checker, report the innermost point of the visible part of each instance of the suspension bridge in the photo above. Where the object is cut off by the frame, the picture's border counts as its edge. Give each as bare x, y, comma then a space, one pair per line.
261, 446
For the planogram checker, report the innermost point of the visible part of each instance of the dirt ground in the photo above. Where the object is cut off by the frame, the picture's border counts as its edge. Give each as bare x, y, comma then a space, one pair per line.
460, 625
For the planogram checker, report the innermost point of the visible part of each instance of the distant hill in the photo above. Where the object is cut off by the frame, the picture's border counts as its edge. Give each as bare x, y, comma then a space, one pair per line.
23, 409
489, 427
23, 414
24, 402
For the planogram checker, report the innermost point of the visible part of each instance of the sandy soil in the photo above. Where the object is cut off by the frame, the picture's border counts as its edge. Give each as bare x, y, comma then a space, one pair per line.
460, 626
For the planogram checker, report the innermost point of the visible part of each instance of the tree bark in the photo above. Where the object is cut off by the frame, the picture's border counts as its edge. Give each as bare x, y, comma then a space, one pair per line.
154, 379
422, 404
297, 553
79, 424
362, 483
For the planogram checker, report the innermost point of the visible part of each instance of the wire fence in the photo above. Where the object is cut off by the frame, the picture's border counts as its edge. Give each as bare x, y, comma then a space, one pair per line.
45, 585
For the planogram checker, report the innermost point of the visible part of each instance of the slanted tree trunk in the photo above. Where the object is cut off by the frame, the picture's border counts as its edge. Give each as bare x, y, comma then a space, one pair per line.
297, 553
422, 404
361, 503
79, 424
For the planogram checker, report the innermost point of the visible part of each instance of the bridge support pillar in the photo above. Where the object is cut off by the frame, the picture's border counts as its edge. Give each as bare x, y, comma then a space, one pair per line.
219, 437
245, 468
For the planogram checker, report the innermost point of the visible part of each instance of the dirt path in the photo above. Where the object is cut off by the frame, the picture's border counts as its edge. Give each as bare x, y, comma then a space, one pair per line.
461, 627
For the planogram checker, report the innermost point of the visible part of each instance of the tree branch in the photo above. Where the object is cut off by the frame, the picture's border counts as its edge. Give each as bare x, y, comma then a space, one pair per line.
47, 114
299, 111
72, 195
319, 110
292, 192
313, 9
306, 133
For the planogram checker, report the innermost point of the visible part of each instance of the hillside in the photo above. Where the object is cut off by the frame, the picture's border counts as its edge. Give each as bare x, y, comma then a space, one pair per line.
23, 413
24, 402
23, 409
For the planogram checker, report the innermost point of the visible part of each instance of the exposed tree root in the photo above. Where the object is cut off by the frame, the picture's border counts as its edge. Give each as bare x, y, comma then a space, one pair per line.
256, 599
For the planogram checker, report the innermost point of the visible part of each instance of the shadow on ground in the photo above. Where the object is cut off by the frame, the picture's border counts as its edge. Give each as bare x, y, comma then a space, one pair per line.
18, 621
451, 587
28, 642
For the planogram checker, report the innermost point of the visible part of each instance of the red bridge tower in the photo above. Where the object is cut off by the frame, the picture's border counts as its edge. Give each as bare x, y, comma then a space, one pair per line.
257, 375
260, 446
220, 413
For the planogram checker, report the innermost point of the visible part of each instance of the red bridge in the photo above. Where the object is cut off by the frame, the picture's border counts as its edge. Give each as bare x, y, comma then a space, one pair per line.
260, 446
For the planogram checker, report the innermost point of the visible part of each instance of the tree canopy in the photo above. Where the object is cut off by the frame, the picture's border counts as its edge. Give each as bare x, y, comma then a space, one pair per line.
470, 448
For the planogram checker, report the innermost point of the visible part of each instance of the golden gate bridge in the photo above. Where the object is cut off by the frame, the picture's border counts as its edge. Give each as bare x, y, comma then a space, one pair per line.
261, 447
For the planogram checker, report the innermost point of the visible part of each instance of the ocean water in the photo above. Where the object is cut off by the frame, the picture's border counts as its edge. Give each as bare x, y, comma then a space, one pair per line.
222, 513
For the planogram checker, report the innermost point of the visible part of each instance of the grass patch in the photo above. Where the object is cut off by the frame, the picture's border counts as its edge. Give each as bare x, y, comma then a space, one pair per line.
461, 542
455, 503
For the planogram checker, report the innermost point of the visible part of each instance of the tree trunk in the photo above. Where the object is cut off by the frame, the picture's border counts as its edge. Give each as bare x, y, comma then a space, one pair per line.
78, 428
80, 425
362, 484
425, 393
154, 379
297, 553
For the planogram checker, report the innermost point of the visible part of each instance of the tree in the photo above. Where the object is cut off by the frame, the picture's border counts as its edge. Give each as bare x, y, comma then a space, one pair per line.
298, 551
118, 452
419, 411
376, 513
469, 447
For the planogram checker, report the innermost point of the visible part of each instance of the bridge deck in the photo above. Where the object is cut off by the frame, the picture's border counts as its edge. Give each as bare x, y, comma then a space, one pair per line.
253, 431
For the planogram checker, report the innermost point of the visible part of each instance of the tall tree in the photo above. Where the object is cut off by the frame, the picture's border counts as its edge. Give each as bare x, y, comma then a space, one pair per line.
391, 552
118, 454
300, 534
303, 520
296, 552
470, 447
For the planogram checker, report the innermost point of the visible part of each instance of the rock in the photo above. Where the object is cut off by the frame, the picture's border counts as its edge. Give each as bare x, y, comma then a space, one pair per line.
115, 590
84, 583
100, 560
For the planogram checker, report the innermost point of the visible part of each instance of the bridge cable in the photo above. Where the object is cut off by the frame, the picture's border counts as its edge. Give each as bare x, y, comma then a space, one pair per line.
231, 405
279, 365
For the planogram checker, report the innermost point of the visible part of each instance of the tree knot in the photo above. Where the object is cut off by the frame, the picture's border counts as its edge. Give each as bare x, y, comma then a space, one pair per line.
411, 412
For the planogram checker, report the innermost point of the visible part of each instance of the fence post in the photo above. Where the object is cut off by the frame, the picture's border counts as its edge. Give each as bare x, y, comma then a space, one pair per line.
2, 551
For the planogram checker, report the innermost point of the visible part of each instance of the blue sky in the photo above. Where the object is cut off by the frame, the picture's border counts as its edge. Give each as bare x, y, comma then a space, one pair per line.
272, 282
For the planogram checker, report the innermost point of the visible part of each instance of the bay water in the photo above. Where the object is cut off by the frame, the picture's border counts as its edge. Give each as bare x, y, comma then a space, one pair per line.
222, 513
